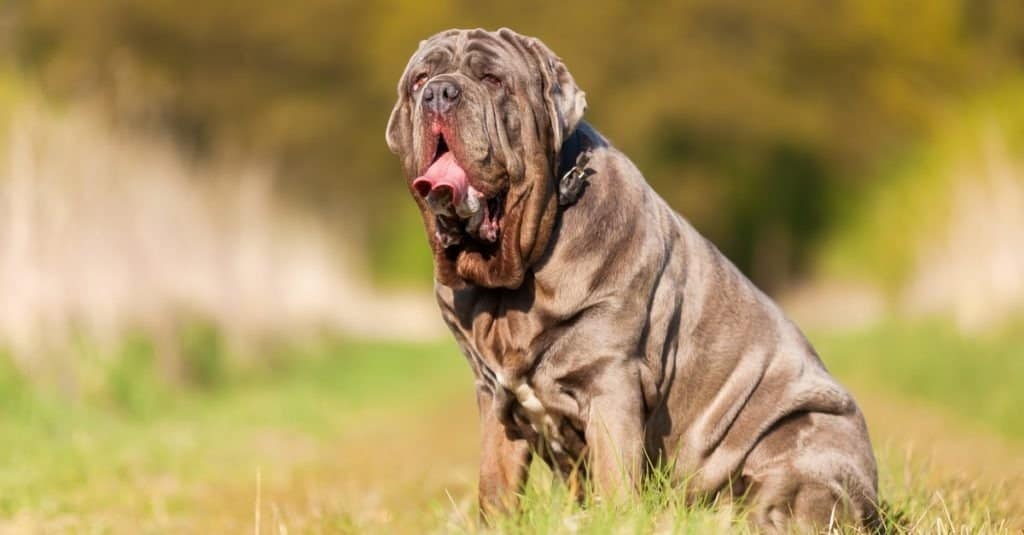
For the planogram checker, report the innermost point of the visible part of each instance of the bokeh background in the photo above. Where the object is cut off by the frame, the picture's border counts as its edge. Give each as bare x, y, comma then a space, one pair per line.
215, 302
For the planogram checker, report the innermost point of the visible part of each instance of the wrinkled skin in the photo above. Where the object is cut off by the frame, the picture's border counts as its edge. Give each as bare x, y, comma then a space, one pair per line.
609, 330
500, 133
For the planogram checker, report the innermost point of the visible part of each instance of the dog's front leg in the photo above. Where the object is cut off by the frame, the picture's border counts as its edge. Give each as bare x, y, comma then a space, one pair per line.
614, 433
504, 461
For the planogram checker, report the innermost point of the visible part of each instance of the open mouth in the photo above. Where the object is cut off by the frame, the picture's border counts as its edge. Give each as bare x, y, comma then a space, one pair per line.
464, 215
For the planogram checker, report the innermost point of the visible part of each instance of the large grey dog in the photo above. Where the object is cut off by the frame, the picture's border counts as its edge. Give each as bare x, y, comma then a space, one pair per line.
600, 325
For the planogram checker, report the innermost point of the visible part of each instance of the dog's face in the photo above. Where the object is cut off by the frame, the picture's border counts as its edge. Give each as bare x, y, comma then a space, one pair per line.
479, 122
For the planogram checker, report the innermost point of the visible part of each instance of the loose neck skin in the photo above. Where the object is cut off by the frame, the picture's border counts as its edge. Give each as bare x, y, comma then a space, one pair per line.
603, 218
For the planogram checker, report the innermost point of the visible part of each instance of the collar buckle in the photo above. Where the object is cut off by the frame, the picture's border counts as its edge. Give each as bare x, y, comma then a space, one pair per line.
574, 181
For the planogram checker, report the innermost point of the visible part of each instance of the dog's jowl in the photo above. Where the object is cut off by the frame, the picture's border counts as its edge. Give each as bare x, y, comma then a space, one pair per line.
606, 335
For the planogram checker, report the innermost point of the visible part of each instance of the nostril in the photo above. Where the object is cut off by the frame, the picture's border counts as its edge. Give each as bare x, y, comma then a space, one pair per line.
422, 186
440, 96
450, 91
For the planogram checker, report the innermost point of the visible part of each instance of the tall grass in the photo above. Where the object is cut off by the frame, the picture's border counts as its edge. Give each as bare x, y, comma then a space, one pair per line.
105, 233
377, 438
913, 503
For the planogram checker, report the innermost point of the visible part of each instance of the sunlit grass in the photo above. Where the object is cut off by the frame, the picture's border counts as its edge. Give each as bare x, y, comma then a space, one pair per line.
368, 437
978, 378
912, 503
87, 459
548, 505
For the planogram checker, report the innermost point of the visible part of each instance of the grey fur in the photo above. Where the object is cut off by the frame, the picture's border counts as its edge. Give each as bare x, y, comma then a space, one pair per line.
611, 330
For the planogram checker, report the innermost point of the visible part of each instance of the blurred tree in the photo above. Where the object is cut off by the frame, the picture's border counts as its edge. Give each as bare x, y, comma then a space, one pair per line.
749, 117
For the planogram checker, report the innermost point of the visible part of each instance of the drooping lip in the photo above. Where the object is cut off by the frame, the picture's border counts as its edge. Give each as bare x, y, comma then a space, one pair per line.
437, 147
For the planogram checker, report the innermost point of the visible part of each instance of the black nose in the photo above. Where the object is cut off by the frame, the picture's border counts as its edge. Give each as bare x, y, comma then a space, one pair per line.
440, 95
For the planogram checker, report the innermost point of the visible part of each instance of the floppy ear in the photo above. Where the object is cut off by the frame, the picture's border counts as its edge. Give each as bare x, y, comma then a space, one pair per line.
399, 130
565, 101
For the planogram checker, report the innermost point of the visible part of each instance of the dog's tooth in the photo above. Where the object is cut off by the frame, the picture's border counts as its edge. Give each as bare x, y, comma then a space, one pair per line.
489, 229
470, 205
473, 224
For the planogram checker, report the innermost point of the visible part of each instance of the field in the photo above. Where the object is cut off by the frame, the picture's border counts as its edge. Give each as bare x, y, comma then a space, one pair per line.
215, 309
347, 436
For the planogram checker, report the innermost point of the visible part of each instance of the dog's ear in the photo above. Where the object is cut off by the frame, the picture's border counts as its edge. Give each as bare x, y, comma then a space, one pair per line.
398, 134
564, 101
399, 130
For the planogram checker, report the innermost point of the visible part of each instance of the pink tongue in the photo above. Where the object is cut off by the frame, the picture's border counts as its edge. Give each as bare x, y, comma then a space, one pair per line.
444, 172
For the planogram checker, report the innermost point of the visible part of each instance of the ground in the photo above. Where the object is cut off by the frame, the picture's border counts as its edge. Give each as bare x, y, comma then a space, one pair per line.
382, 437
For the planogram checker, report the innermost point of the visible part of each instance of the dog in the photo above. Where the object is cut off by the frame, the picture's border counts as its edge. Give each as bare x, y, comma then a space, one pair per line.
606, 335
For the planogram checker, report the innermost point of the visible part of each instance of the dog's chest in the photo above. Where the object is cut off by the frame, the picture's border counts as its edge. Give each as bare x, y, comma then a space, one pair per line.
496, 330
495, 337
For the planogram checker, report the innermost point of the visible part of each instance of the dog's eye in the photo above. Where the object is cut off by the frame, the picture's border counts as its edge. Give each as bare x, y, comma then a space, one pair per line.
492, 80
419, 81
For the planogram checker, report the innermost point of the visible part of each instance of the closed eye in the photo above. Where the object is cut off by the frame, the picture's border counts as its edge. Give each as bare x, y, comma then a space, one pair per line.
492, 79
419, 81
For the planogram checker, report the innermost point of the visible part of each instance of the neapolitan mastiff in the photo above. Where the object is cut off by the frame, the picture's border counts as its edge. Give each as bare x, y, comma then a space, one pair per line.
600, 325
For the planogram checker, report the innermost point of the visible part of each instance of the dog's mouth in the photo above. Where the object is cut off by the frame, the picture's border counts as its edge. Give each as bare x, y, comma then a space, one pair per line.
464, 215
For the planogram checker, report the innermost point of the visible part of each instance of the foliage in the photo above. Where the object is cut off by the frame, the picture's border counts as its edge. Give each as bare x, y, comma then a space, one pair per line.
910, 204
747, 117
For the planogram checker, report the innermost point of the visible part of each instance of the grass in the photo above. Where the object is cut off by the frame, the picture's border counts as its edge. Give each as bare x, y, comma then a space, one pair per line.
548, 507
91, 463
339, 436
978, 378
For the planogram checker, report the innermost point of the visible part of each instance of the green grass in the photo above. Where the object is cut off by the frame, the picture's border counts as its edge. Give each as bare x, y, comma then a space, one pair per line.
980, 379
548, 506
82, 456
913, 503
340, 436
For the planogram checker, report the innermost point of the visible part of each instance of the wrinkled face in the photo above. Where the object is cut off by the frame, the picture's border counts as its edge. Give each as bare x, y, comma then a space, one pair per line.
479, 122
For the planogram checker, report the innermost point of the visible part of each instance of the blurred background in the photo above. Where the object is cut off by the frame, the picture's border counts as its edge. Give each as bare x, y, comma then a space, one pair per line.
215, 293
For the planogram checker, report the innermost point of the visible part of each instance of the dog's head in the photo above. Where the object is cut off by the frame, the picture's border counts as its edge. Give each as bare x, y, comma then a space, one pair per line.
479, 122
